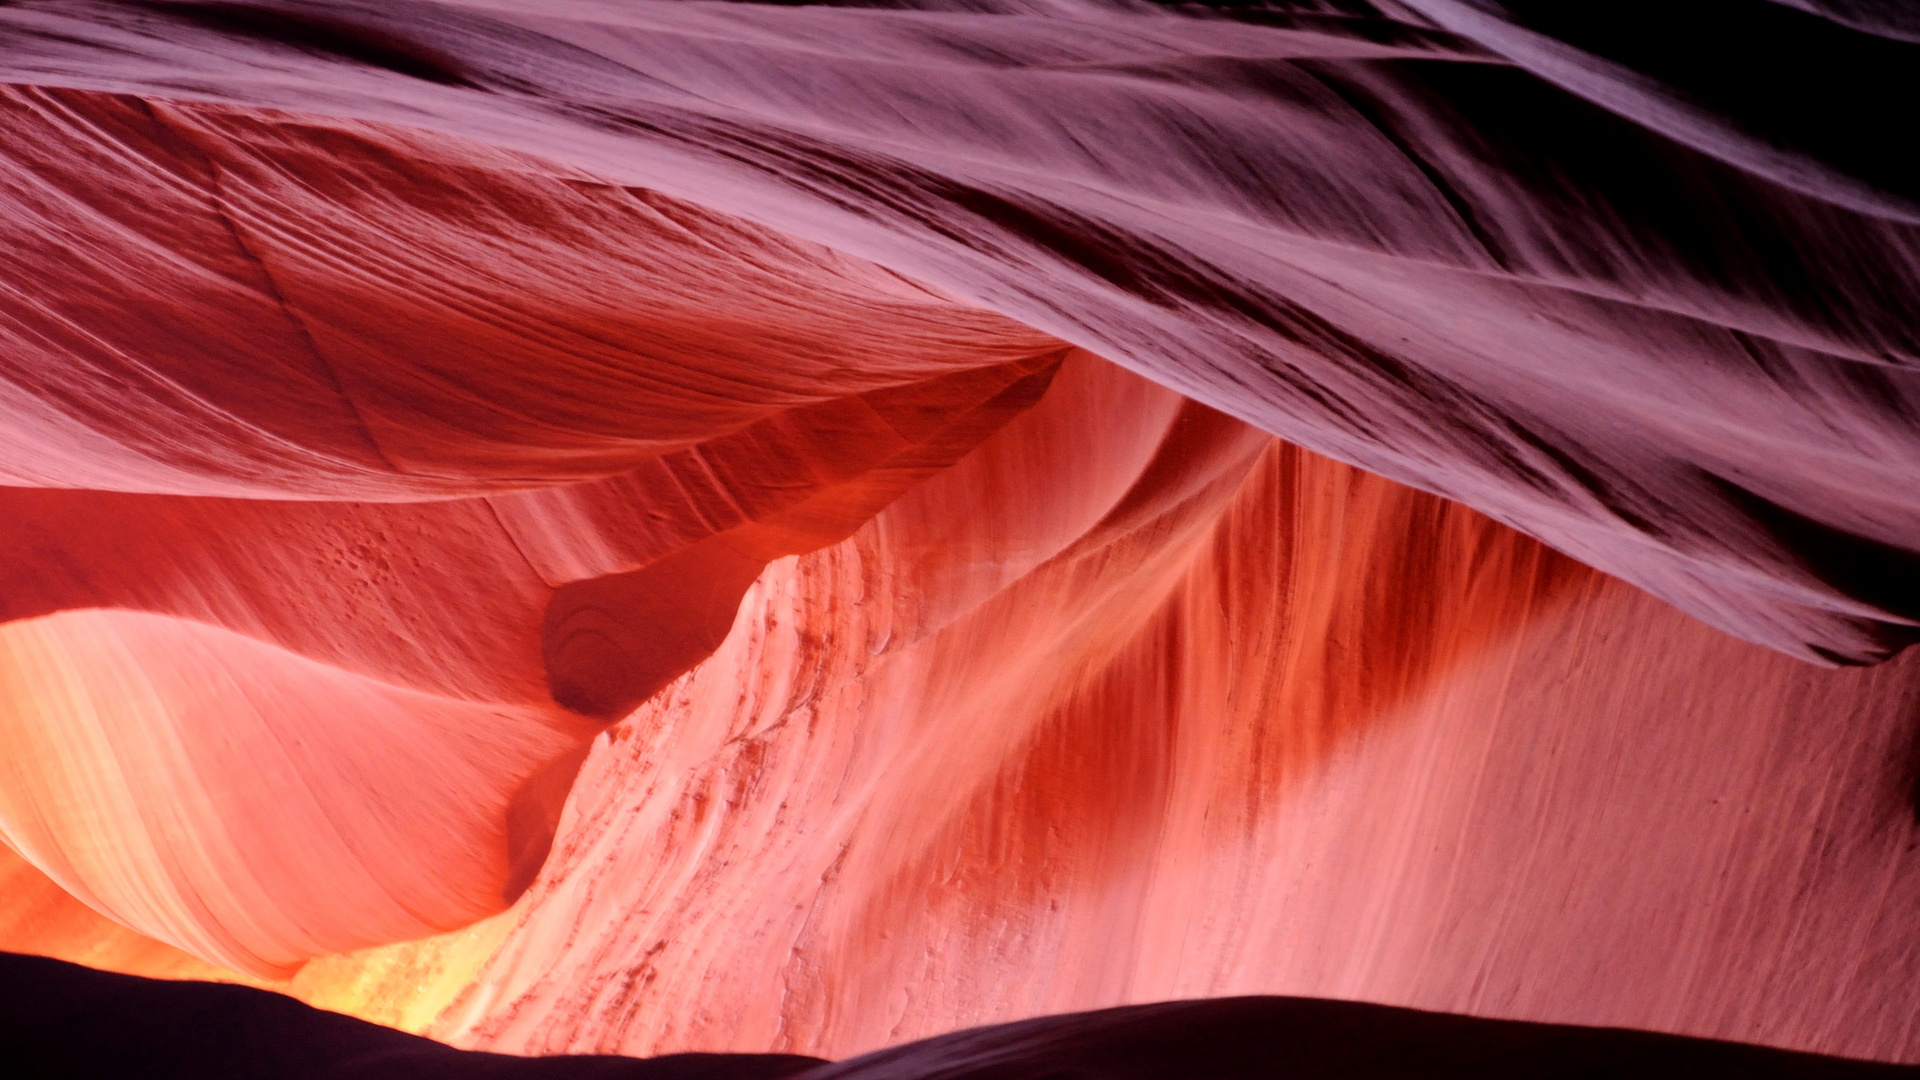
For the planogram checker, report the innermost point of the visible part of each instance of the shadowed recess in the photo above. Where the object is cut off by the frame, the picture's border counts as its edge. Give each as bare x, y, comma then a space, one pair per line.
309, 29
75, 1022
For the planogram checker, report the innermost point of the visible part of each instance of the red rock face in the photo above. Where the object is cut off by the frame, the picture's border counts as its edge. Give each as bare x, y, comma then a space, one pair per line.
793, 528
1243, 721
214, 638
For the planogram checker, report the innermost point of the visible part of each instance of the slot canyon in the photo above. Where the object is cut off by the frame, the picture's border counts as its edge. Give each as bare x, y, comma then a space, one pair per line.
959, 539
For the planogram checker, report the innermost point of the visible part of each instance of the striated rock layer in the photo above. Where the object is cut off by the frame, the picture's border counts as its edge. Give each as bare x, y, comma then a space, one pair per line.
1229, 719
767, 527
303, 607
1647, 302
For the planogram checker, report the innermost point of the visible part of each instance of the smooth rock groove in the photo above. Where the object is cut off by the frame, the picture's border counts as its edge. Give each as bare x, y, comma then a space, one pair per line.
643, 527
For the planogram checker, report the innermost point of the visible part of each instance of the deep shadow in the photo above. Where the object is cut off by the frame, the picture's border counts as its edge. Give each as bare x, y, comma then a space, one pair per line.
63, 1020
318, 35
1857, 567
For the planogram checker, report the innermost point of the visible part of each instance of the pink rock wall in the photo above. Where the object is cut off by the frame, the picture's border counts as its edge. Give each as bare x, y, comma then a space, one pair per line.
1262, 725
671, 526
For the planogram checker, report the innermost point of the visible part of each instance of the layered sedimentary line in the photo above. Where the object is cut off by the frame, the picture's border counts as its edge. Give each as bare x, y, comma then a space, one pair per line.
1520, 259
290, 598
435, 610
1172, 710
409, 407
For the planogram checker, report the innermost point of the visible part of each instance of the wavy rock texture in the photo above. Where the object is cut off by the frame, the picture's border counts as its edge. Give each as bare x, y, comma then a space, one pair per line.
766, 527
1231, 719
225, 299
1654, 315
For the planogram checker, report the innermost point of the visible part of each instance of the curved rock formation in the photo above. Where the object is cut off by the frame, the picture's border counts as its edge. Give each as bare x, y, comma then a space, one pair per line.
787, 502
276, 279
1662, 327
1180, 710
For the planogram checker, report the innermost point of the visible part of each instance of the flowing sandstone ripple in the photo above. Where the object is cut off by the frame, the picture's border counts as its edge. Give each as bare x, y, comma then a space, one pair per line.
768, 527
